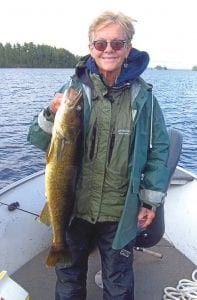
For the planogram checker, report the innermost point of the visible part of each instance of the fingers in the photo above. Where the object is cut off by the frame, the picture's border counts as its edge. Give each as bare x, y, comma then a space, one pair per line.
145, 217
55, 102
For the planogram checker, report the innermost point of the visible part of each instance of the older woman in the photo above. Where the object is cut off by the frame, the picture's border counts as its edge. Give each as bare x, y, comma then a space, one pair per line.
125, 137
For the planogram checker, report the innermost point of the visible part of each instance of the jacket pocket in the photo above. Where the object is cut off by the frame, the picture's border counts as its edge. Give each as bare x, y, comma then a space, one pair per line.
115, 185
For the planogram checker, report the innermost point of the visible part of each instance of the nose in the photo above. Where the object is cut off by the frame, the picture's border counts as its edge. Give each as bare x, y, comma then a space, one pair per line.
109, 48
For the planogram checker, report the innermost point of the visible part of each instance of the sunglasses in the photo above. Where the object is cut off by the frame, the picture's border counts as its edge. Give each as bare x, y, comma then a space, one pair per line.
116, 45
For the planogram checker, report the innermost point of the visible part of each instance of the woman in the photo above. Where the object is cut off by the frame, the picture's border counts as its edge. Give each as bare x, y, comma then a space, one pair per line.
124, 176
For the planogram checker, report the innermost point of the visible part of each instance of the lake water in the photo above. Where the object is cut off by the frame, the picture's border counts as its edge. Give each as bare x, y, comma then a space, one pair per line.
24, 92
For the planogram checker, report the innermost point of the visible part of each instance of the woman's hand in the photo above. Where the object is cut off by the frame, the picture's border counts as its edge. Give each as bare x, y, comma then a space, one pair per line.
55, 102
145, 217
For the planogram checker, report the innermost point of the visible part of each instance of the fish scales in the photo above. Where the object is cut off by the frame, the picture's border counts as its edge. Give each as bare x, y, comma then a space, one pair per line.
62, 163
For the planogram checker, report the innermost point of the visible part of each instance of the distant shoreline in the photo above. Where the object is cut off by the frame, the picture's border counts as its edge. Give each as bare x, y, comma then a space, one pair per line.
58, 68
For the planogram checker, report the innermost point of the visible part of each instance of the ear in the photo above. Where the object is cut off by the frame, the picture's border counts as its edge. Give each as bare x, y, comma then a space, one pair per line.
90, 46
129, 47
91, 49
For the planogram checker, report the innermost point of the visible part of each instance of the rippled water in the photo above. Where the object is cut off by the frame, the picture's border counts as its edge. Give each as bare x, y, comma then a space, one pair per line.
24, 92
176, 91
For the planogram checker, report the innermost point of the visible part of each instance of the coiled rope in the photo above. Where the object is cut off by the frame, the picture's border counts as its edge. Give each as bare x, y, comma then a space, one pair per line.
185, 290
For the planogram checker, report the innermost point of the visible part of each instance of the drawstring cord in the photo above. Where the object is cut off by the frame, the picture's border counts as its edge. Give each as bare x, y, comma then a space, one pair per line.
151, 123
185, 290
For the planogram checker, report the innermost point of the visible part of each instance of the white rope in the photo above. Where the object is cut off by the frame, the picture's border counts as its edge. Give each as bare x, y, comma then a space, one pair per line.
185, 290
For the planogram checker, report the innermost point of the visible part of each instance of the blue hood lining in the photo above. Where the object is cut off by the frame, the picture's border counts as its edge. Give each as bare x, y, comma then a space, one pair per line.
137, 62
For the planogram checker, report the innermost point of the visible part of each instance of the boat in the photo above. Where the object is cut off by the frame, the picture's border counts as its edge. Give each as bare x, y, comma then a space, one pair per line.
24, 241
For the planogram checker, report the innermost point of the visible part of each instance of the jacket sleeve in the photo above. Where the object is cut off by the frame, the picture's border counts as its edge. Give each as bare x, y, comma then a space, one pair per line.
40, 130
155, 178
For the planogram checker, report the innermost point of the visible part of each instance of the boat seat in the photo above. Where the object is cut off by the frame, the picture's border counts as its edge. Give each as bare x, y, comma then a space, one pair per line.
154, 232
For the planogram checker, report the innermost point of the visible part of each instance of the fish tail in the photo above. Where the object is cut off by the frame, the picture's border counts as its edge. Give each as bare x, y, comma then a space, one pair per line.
55, 256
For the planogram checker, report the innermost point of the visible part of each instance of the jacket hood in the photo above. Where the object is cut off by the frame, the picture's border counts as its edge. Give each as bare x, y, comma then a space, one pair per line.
137, 62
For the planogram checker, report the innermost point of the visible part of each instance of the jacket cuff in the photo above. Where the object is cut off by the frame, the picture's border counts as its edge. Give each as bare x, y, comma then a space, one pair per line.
45, 124
148, 206
150, 197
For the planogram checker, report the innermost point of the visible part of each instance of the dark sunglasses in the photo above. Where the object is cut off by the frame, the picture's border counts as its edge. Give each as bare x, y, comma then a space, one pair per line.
116, 45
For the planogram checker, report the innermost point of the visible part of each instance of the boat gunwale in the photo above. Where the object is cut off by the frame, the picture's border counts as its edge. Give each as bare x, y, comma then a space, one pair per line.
189, 176
19, 182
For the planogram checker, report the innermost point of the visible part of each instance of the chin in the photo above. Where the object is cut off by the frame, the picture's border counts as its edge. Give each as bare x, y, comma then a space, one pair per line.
110, 69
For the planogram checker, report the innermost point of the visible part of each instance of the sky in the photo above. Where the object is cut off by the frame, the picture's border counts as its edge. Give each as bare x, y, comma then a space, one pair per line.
166, 29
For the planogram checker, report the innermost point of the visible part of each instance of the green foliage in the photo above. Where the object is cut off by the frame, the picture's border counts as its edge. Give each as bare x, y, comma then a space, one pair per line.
29, 55
194, 68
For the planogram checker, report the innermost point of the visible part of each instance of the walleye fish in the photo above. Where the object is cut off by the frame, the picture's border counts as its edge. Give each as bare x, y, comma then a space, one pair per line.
62, 161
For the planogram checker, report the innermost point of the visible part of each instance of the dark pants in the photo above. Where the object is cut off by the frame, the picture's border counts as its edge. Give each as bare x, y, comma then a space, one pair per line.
117, 271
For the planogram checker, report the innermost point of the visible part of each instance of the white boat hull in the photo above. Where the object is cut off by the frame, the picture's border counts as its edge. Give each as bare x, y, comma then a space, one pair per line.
22, 236
181, 220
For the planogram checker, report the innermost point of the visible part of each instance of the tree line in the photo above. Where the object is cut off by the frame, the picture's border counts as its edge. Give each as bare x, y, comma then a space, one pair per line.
29, 55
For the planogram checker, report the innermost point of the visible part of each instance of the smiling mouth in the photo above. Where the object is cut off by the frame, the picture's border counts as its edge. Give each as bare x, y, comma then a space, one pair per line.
109, 58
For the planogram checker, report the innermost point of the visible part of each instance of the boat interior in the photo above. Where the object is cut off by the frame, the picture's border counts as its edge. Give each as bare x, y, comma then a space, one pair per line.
155, 267
163, 266
152, 274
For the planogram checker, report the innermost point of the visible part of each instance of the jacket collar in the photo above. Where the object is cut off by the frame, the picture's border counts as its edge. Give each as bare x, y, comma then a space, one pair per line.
137, 62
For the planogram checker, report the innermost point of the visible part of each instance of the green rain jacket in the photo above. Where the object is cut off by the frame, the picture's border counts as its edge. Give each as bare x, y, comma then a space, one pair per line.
147, 168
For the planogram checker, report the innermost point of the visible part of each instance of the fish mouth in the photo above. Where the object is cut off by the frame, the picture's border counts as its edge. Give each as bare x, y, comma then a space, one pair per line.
72, 97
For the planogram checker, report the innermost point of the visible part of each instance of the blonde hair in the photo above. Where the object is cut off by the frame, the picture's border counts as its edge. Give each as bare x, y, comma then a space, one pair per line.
109, 17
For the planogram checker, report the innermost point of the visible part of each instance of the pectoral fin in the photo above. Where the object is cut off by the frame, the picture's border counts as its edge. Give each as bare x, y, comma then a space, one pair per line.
60, 148
56, 149
50, 151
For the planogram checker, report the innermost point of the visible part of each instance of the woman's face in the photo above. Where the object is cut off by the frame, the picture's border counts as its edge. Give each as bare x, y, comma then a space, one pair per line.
109, 61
